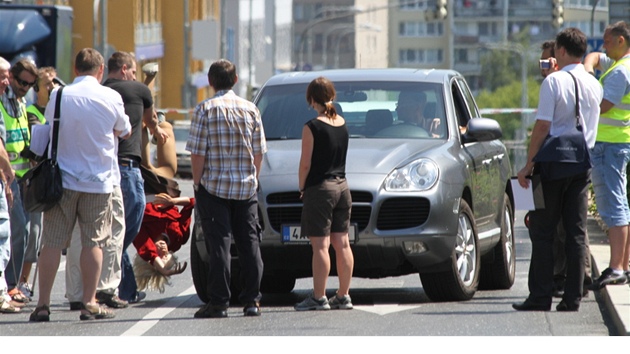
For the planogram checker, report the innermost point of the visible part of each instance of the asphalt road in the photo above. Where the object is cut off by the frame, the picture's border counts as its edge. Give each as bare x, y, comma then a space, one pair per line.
394, 306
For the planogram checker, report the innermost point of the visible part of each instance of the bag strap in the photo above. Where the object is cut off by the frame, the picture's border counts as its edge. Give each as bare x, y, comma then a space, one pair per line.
53, 151
577, 100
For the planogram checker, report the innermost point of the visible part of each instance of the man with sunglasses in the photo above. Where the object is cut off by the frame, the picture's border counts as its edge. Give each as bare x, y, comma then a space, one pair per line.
22, 76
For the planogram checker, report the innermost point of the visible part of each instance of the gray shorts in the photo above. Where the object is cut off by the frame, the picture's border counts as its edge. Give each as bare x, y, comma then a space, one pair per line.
327, 208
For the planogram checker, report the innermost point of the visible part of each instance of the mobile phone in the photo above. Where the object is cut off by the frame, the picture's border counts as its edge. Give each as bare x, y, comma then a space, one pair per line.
544, 64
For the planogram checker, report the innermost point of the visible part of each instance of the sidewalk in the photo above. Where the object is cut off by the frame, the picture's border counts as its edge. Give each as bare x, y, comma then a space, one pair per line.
616, 297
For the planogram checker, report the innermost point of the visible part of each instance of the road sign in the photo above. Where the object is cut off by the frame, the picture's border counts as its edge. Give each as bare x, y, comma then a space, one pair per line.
595, 45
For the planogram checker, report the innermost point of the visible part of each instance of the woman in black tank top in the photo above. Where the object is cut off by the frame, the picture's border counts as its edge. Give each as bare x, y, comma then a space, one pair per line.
326, 197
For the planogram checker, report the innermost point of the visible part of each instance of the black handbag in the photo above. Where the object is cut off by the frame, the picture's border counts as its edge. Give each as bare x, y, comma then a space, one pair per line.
41, 186
564, 155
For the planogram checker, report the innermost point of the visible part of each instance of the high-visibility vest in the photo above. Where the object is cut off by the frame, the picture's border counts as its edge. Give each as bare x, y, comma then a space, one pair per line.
32, 109
18, 137
614, 125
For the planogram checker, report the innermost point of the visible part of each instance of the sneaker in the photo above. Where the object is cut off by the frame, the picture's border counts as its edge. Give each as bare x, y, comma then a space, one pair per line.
140, 295
26, 290
342, 303
310, 303
608, 277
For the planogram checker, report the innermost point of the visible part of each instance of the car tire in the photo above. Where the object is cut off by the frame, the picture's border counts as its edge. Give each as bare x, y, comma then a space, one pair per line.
500, 273
277, 284
461, 281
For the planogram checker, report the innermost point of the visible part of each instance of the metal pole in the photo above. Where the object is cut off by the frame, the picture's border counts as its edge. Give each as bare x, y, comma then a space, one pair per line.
593, 19
104, 28
250, 50
95, 7
222, 30
186, 88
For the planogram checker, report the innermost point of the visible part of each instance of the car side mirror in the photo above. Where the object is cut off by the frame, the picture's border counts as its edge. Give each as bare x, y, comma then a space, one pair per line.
482, 129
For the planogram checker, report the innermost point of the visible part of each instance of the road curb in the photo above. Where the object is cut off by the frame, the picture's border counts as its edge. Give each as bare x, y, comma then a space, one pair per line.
616, 298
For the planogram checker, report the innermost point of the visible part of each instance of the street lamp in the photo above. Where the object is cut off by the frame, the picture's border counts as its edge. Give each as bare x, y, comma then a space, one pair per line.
348, 11
368, 27
337, 28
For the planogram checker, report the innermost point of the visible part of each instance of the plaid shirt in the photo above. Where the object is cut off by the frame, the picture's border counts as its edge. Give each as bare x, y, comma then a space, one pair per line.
228, 131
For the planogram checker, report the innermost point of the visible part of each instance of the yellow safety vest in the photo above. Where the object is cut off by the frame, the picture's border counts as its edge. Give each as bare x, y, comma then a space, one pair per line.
614, 125
35, 111
18, 137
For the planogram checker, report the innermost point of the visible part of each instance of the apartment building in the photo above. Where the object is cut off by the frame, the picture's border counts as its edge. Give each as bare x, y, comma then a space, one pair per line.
472, 26
340, 34
619, 10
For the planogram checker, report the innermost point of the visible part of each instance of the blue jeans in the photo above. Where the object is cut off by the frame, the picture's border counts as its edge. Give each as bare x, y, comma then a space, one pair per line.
609, 182
132, 186
20, 227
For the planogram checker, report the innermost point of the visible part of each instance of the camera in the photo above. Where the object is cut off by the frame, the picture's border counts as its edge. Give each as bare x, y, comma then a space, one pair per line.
545, 64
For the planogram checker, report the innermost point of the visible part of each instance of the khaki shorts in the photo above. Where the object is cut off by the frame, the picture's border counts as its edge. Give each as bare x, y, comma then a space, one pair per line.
92, 210
327, 208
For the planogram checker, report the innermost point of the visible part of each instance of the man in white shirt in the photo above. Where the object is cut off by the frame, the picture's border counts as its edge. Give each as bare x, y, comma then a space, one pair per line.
566, 197
93, 118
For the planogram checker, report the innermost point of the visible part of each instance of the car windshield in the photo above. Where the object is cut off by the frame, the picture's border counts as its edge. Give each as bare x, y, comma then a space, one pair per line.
181, 132
371, 110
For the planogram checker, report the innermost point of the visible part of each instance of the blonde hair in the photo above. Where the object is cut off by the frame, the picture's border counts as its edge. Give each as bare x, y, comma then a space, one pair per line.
148, 277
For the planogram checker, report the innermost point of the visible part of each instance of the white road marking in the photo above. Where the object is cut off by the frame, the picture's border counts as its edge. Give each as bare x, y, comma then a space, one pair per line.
386, 309
151, 319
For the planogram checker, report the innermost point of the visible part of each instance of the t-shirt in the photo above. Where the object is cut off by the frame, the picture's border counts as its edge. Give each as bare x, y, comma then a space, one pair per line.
136, 97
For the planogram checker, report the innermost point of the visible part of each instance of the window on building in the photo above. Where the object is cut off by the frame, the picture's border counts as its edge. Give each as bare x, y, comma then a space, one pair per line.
420, 29
407, 5
420, 56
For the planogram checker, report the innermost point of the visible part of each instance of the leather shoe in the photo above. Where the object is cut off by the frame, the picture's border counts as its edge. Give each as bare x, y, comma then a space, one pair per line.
567, 307
252, 309
111, 300
76, 305
529, 306
211, 311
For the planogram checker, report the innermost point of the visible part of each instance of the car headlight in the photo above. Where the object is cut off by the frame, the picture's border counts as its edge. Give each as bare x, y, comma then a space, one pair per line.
419, 175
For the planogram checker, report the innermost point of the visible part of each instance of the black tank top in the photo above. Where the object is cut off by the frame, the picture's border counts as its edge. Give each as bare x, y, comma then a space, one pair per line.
330, 147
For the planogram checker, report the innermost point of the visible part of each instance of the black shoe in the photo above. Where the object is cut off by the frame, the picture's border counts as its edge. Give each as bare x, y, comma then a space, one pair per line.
566, 307
211, 311
530, 306
140, 295
76, 305
111, 300
608, 278
252, 309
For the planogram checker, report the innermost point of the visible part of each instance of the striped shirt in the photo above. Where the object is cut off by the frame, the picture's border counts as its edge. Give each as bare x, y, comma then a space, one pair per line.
228, 131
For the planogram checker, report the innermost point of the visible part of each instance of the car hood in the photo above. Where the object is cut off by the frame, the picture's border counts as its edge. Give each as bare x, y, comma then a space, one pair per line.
364, 155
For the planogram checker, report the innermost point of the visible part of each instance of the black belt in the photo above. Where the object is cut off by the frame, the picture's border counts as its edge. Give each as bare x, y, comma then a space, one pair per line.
128, 162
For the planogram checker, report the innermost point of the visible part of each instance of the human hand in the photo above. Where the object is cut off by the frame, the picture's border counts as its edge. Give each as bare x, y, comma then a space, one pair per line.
160, 135
179, 268
525, 172
163, 200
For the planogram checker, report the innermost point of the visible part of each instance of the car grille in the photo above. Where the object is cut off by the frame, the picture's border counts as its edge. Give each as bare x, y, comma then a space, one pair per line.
402, 213
279, 215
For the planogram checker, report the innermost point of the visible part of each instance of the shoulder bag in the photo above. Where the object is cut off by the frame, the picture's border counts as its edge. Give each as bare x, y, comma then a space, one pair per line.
42, 187
564, 155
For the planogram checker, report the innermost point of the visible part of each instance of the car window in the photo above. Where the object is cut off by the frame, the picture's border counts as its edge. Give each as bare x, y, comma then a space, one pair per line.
181, 132
371, 110
471, 107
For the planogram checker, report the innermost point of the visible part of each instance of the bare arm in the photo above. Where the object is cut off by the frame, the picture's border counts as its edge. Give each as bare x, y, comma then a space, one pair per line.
197, 162
591, 62
149, 117
305, 159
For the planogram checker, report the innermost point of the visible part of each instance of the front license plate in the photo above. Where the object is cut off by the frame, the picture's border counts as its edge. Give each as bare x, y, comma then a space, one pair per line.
292, 234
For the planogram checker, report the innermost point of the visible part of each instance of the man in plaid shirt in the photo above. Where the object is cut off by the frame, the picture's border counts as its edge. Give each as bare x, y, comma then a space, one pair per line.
227, 143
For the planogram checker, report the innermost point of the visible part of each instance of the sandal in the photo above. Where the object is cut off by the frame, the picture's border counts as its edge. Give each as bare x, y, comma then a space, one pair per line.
95, 312
36, 315
7, 307
18, 296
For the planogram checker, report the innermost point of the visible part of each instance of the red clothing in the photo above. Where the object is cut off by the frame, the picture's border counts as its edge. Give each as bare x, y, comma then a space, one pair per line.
156, 221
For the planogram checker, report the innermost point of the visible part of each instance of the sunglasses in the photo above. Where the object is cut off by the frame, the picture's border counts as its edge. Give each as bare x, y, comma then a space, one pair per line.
25, 83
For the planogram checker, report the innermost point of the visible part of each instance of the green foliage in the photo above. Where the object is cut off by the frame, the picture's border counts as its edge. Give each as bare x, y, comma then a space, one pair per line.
509, 96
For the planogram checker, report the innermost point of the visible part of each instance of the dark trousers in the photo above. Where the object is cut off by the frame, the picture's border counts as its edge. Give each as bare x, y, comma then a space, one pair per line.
222, 220
567, 200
